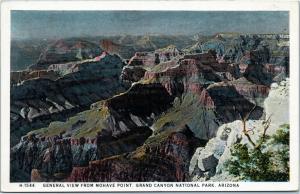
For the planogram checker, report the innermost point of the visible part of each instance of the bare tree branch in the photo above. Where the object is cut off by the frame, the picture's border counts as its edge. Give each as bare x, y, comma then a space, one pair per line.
249, 113
246, 133
266, 125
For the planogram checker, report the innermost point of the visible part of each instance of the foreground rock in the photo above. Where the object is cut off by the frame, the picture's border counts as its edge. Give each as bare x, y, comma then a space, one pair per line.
207, 162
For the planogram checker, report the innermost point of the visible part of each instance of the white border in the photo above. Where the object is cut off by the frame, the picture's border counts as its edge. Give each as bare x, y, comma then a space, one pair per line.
291, 6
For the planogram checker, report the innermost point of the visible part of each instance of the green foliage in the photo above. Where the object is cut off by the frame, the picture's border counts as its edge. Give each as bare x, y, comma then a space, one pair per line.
269, 162
282, 135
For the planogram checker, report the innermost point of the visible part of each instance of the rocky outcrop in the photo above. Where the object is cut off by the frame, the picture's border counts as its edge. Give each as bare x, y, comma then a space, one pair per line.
276, 105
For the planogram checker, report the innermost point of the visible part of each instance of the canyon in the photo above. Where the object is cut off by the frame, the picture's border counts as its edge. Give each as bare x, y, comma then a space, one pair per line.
110, 111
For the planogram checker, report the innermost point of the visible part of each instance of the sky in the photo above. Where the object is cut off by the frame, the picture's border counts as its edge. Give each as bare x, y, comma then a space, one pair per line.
63, 24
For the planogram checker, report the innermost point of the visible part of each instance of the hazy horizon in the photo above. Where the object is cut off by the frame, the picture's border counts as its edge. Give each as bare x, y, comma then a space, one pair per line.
69, 24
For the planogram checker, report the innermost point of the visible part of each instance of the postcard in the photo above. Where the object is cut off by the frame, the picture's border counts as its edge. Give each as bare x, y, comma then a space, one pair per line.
112, 96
